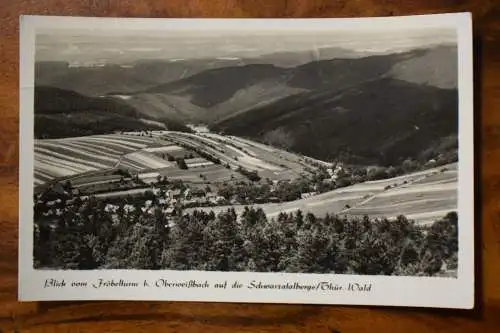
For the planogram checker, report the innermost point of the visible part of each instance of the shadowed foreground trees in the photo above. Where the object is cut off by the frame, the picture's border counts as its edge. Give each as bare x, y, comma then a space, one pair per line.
87, 237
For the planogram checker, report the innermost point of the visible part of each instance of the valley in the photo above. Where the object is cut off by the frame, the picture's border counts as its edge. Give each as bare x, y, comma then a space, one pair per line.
349, 134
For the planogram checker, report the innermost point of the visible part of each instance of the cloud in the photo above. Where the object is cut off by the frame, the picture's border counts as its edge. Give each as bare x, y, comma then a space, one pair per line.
71, 49
144, 49
87, 46
228, 58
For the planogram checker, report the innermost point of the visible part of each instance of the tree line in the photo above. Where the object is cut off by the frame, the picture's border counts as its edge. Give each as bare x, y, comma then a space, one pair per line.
87, 237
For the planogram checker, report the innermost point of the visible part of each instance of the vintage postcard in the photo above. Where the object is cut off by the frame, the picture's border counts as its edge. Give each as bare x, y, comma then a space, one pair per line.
325, 161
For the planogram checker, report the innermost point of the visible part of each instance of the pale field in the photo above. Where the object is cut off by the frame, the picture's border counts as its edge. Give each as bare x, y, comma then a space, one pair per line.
275, 156
145, 161
212, 173
272, 163
71, 156
421, 199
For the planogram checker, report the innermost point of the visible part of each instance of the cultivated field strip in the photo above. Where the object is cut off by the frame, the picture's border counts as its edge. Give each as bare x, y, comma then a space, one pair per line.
102, 149
71, 167
70, 157
197, 162
130, 138
82, 153
243, 142
94, 178
130, 165
130, 144
212, 174
56, 170
250, 161
163, 149
88, 149
206, 138
43, 176
141, 160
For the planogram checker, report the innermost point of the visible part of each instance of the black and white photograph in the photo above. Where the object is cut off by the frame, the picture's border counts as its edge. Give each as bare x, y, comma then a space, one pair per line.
311, 151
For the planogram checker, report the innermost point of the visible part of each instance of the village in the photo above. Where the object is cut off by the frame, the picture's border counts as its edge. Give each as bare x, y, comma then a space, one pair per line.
163, 198
154, 194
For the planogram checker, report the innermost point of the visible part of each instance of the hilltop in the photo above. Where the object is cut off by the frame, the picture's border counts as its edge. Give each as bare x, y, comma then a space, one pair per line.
63, 113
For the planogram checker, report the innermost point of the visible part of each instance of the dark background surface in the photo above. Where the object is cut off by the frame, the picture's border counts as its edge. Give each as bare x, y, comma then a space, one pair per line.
207, 317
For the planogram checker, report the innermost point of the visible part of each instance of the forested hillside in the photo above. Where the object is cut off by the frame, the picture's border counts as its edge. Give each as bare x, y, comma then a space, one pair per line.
63, 113
383, 121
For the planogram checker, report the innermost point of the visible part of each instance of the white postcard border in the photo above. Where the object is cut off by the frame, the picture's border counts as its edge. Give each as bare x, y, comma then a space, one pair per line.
384, 291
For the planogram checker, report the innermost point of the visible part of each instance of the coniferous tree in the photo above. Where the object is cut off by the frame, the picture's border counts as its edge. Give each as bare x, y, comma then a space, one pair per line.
88, 235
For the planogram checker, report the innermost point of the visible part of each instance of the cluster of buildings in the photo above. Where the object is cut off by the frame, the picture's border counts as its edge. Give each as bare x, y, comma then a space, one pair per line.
335, 171
56, 199
169, 202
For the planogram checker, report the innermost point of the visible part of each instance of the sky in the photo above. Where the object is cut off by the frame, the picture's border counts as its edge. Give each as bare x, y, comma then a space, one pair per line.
118, 47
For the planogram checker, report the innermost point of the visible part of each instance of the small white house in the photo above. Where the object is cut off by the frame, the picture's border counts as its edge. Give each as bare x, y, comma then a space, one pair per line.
129, 208
111, 208
169, 210
149, 177
307, 195
173, 193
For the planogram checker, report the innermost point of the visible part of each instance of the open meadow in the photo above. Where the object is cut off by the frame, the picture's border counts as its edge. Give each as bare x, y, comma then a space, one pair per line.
423, 196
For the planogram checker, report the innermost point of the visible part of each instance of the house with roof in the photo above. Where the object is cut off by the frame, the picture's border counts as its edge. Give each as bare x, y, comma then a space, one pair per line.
173, 194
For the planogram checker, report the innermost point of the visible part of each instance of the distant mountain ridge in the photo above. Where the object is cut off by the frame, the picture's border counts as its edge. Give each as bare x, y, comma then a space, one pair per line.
103, 78
231, 86
375, 109
438, 68
224, 92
